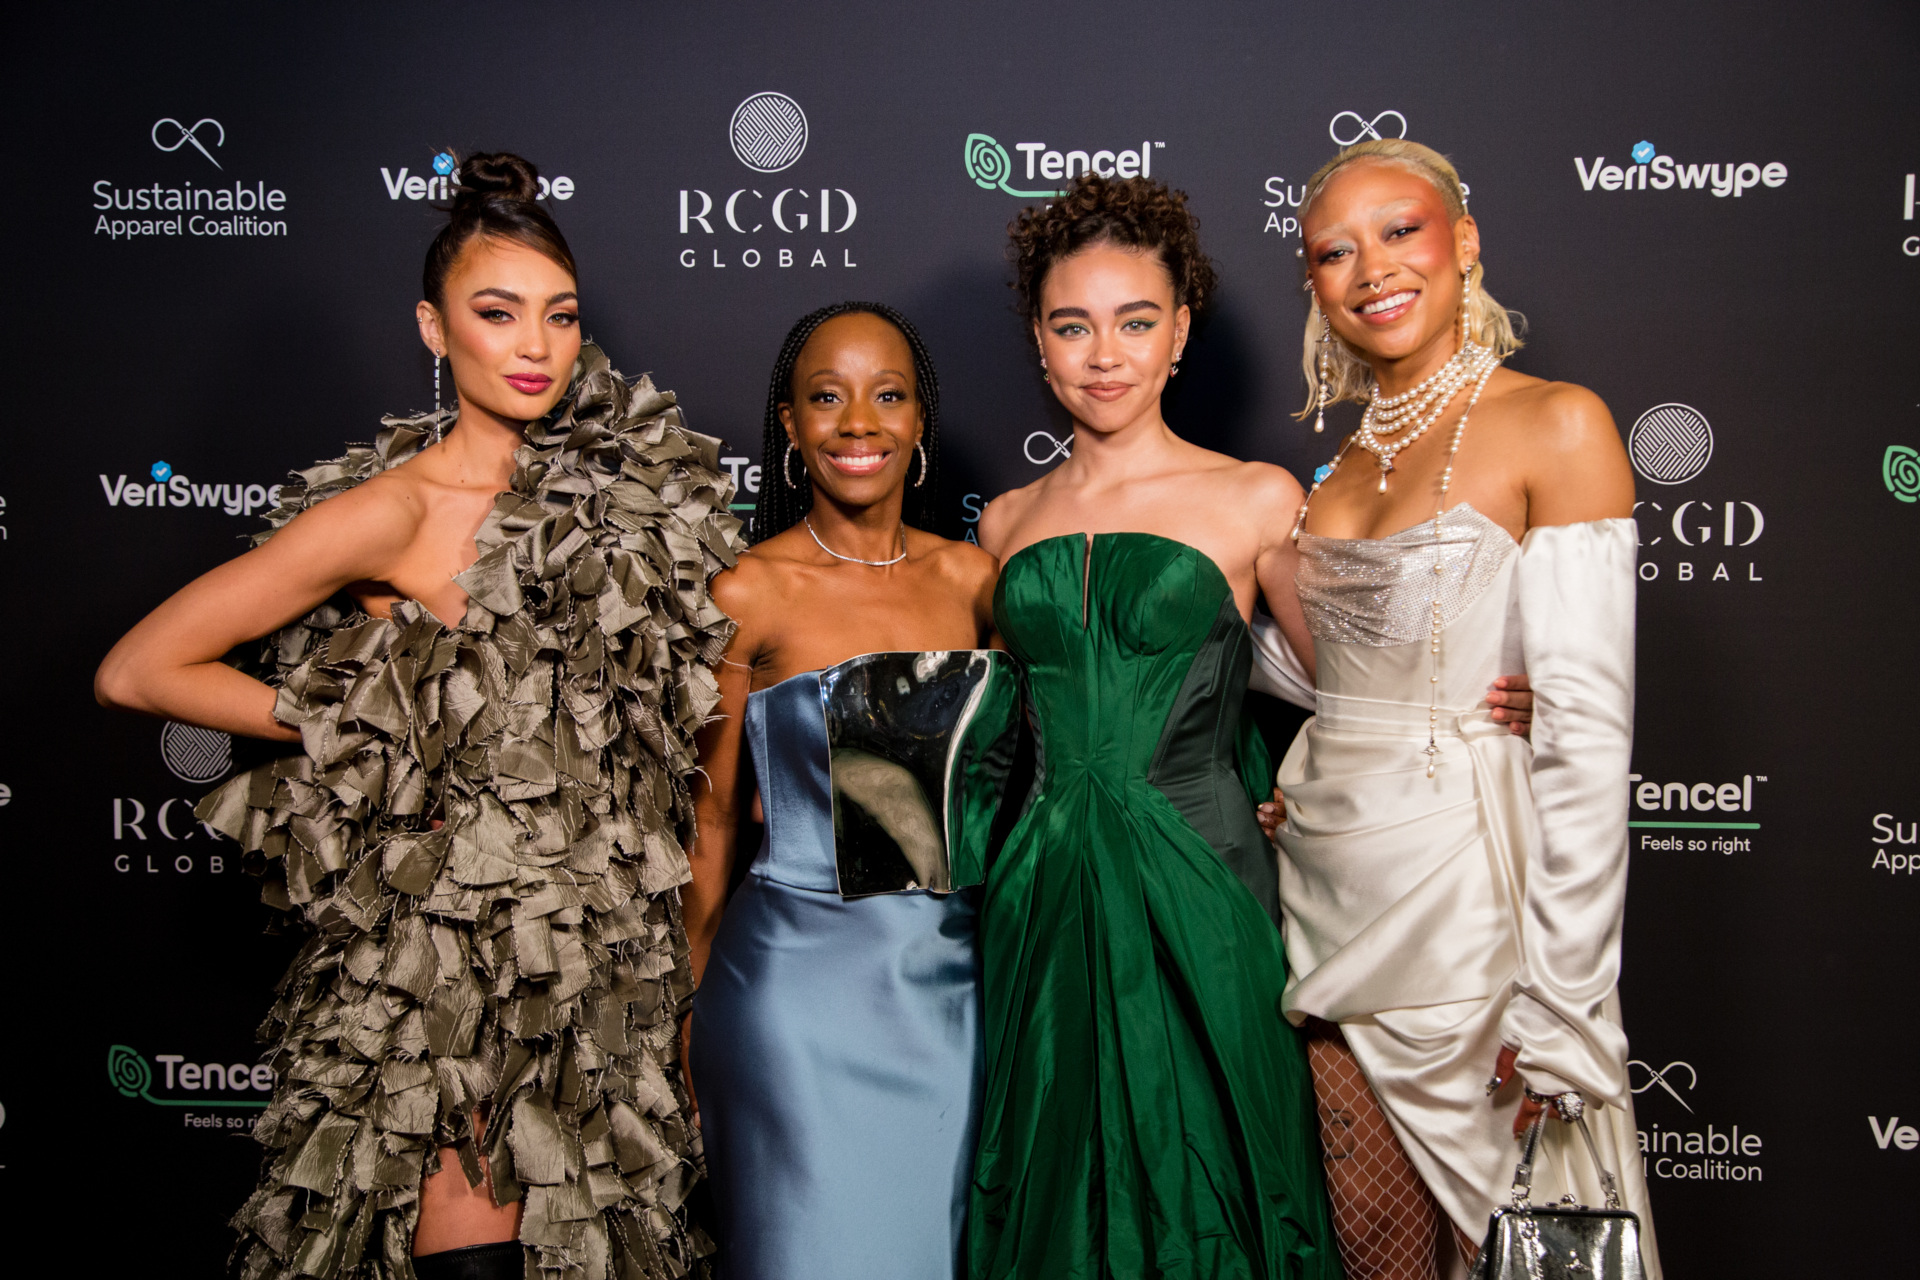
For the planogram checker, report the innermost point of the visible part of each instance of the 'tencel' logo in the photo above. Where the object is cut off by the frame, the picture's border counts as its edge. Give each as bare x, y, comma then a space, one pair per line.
1049, 451
1900, 469
1660, 1078
1366, 128
183, 135
768, 131
1670, 444
989, 165
194, 754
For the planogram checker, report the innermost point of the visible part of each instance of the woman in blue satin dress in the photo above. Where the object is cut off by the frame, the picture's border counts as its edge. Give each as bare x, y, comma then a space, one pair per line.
834, 1046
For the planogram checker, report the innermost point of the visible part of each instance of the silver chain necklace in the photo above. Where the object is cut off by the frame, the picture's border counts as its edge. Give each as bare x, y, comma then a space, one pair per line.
876, 564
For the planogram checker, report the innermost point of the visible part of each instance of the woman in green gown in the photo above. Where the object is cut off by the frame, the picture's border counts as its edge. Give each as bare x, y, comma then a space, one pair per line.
1148, 1110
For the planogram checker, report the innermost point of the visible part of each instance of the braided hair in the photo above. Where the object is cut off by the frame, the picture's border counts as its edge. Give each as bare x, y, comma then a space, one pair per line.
782, 504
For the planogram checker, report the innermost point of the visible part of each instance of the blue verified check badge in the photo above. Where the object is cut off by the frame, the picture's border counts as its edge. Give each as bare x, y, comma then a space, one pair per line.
1321, 472
1642, 152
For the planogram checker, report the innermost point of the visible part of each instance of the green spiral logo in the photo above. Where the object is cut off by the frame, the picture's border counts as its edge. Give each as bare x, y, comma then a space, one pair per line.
1901, 470
987, 161
989, 165
128, 1071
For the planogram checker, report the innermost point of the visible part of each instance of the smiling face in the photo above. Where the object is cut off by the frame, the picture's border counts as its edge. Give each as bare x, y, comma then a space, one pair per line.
1109, 331
510, 328
855, 414
1386, 261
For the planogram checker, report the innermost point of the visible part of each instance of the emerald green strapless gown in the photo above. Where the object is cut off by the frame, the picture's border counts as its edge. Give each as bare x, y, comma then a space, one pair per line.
1148, 1111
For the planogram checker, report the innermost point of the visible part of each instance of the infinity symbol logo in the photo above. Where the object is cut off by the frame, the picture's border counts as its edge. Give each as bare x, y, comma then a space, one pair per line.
1052, 449
1660, 1078
185, 136
1367, 128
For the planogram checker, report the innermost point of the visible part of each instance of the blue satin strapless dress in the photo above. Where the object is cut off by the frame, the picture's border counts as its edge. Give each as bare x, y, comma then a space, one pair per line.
836, 1044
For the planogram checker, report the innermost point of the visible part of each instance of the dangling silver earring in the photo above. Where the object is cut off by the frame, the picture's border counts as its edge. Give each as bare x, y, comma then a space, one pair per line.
439, 423
1326, 374
922, 451
786, 467
1174, 372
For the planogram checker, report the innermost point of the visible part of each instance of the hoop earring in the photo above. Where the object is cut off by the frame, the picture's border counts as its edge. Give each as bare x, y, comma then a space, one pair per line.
1326, 373
921, 449
786, 469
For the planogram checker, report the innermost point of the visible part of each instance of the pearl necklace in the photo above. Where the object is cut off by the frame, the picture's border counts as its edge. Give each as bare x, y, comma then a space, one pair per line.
1420, 406
1484, 369
876, 564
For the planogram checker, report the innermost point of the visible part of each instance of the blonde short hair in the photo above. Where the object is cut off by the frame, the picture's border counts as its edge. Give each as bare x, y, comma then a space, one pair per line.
1492, 325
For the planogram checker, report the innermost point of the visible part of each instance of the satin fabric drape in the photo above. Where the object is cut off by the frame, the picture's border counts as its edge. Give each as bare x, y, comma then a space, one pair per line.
836, 1044
1437, 918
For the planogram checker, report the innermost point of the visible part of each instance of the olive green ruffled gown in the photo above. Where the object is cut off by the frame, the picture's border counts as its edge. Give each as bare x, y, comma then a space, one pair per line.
1148, 1111
526, 957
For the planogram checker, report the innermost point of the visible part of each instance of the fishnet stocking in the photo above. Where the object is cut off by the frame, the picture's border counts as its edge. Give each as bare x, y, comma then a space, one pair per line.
1387, 1222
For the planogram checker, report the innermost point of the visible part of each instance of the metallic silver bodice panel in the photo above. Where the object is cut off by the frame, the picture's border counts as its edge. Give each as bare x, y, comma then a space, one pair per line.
1379, 591
919, 747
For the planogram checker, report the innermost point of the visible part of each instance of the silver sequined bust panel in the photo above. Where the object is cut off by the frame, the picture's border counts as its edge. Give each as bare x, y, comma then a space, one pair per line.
1379, 591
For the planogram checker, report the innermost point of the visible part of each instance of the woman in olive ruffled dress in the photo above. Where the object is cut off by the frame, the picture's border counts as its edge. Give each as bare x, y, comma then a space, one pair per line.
490, 635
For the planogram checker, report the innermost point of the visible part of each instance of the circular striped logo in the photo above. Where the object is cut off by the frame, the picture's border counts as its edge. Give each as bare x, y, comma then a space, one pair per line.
1671, 444
195, 754
768, 131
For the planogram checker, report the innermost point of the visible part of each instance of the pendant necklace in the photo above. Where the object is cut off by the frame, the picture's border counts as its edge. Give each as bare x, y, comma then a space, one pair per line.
876, 564
1416, 409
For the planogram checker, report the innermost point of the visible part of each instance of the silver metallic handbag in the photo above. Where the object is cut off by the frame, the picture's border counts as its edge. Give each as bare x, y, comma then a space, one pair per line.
1566, 1240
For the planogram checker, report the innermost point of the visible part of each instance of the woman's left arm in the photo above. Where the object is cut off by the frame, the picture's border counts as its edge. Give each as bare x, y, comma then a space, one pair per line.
1576, 588
1274, 566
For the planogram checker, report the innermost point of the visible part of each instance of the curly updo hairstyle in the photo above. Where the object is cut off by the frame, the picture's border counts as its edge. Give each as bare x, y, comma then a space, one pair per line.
784, 501
495, 194
1133, 213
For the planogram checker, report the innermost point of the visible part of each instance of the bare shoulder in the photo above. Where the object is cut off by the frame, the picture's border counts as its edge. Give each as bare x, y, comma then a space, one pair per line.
1003, 515
751, 585
962, 563
1265, 483
1559, 418
377, 517
1575, 464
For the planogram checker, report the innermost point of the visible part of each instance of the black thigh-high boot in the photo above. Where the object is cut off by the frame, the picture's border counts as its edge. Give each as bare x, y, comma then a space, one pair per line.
503, 1261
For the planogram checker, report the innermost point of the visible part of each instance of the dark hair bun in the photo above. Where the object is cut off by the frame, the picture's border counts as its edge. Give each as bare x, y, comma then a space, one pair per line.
497, 197
496, 175
1135, 213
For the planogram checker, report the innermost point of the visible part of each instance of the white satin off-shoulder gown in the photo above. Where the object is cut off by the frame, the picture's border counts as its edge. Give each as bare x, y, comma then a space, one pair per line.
1436, 918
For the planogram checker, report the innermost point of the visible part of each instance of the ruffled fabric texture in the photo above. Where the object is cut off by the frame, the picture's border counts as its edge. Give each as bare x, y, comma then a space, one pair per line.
525, 960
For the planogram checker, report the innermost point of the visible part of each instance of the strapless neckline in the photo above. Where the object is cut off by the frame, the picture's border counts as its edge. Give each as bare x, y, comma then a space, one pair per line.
1472, 515
1122, 533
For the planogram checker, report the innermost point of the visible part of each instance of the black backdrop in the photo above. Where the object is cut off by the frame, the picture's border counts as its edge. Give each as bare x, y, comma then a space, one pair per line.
1768, 979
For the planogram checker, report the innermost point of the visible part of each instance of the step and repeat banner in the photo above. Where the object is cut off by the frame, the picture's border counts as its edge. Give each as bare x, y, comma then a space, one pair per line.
1707, 216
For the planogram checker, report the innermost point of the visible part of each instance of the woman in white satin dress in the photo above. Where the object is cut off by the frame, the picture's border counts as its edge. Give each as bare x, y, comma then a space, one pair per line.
1452, 896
